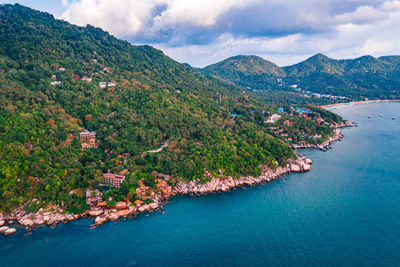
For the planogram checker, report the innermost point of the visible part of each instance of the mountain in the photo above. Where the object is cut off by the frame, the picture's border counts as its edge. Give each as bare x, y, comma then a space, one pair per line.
363, 77
152, 117
246, 71
58, 79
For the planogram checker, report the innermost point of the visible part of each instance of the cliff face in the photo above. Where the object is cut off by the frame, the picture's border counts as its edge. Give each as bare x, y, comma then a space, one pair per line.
226, 183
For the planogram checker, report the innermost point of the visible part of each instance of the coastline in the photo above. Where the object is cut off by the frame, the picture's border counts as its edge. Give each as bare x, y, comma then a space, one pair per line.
360, 102
54, 215
224, 184
18, 218
324, 146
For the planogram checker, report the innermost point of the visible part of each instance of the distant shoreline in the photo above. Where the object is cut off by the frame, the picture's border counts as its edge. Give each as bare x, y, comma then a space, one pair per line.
360, 102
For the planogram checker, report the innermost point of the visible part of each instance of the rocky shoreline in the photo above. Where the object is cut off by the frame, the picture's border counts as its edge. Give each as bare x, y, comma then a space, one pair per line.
337, 136
54, 215
224, 184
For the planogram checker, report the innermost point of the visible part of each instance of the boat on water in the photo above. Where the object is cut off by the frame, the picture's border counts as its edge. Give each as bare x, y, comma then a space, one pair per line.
393, 118
369, 117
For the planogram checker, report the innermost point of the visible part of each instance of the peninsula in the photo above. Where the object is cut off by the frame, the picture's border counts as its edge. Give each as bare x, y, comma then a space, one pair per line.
93, 126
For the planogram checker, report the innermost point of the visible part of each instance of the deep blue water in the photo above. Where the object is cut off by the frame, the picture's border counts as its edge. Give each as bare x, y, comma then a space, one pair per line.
346, 211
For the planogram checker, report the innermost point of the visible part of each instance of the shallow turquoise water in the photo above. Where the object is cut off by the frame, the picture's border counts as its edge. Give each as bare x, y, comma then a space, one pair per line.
346, 211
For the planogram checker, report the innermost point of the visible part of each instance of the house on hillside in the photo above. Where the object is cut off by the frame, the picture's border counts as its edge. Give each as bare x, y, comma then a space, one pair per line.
273, 118
88, 139
61, 69
93, 197
111, 84
55, 83
86, 79
103, 84
115, 180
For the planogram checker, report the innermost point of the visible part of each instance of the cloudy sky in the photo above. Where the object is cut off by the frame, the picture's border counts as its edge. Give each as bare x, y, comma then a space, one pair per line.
202, 32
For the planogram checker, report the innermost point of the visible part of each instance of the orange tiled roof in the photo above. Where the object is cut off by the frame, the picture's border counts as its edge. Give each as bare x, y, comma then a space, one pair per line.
101, 204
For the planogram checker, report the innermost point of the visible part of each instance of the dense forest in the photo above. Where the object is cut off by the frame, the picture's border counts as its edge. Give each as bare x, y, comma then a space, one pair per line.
51, 75
356, 79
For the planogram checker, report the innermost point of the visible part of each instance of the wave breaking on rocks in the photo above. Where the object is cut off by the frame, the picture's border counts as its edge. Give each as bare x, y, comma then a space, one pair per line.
224, 184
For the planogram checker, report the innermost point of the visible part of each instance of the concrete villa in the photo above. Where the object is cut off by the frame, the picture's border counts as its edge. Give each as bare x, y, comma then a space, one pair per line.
88, 139
115, 180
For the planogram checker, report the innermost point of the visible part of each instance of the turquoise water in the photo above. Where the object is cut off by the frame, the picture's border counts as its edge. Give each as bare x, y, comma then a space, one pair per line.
346, 211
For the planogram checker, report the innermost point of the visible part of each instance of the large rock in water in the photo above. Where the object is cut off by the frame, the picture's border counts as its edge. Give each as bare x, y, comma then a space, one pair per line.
95, 213
27, 222
10, 231
113, 216
99, 220
153, 205
295, 167
306, 167
3, 229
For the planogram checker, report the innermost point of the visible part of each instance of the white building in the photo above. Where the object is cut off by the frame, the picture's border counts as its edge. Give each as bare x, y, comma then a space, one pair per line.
86, 79
55, 83
273, 118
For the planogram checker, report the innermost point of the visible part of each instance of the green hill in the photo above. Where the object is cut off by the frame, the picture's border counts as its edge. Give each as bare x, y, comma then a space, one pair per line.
151, 115
155, 101
364, 77
246, 71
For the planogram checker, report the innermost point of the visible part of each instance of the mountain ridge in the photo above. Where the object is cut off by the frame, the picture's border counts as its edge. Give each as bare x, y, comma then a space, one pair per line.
361, 77
58, 80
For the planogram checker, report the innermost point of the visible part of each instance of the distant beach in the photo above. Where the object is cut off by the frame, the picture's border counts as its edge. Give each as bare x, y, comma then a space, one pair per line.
360, 102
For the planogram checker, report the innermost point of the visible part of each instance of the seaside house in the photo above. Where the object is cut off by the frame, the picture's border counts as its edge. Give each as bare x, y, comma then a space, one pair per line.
138, 203
121, 205
102, 205
115, 180
142, 189
93, 197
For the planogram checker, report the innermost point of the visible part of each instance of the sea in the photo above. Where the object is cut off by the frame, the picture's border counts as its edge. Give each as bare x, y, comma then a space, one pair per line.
345, 212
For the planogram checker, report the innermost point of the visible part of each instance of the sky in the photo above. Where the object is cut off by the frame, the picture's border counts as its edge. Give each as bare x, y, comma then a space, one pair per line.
203, 32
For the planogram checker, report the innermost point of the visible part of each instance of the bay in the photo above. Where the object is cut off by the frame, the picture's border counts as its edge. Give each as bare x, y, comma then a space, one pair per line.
345, 212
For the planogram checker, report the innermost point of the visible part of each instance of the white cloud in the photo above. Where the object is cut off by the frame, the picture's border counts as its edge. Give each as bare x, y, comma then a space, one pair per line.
64, 3
284, 31
377, 47
147, 18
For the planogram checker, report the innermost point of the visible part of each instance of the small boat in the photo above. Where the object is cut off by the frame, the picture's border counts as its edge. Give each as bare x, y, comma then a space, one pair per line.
27, 234
380, 115
393, 118
369, 117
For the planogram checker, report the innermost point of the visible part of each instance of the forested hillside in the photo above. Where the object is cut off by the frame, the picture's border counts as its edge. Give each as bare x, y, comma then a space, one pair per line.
57, 79
357, 79
246, 71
